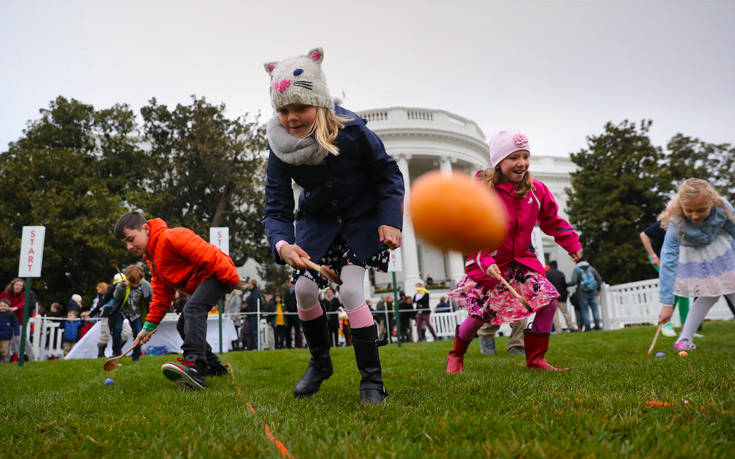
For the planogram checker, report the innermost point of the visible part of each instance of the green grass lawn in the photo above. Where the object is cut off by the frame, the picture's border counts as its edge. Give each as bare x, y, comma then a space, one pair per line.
495, 408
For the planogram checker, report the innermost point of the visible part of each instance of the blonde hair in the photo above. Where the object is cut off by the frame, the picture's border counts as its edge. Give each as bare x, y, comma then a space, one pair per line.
326, 127
493, 175
692, 188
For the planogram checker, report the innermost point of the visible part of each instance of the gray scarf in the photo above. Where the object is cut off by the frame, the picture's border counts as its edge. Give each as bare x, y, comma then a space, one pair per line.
293, 150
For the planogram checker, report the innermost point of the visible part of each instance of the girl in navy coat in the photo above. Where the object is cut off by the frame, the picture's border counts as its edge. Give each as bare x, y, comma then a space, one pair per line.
349, 211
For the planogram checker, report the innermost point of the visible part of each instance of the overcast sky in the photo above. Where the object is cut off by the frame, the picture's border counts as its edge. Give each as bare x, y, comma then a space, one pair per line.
557, 70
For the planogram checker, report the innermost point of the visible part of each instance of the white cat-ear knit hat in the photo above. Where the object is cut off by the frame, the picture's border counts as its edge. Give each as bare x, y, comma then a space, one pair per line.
299, 80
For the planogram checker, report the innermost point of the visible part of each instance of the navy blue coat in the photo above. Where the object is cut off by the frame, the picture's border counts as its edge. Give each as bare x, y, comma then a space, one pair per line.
351, 194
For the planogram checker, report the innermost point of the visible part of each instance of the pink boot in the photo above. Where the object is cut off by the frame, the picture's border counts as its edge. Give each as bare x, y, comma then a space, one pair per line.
455, 359
536, 345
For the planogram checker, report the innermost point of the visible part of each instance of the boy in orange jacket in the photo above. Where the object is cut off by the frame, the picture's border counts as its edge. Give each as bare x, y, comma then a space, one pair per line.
179, 259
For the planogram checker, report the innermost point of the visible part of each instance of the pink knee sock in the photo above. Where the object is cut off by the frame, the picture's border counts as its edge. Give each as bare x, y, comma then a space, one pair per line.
469, 327
545, 317
360, 316
311, 313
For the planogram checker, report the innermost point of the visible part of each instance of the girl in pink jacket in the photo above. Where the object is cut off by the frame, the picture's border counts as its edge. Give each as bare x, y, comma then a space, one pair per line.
528, 202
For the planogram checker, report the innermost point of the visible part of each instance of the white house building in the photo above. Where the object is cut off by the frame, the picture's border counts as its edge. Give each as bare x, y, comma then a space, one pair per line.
422, 140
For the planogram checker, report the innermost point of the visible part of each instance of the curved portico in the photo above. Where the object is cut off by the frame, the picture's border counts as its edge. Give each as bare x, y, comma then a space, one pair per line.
422, 140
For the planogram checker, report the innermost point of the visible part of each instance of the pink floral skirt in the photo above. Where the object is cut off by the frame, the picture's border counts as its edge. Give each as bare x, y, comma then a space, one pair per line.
498, 305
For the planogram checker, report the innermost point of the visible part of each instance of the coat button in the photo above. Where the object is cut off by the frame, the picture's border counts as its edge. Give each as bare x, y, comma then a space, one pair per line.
334, 202
329, 184
339, 219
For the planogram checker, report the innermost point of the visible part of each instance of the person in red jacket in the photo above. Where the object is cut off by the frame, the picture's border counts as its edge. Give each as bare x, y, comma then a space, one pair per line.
179, 259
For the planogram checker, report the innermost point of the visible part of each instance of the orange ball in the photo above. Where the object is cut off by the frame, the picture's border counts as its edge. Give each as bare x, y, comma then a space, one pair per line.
457, 212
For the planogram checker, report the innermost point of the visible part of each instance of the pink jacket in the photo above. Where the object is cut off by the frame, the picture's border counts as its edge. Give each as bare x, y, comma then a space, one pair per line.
523, 214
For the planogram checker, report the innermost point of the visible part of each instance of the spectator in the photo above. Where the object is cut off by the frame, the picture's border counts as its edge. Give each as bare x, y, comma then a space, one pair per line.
280, 324
293, 324
74, 304
423, 311
559, 282
9, 327
55, 310
234, 302
442, 306
252, 306
97, 303
384, 311
331, 305
269, 314
135, 292
405, 313
72, 330
14, 292
588, 283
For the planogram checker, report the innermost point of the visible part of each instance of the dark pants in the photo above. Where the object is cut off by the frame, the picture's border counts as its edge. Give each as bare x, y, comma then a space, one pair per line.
252, 333
116, 323
136, 325
293, 323
334, 336
280, 336
192, 324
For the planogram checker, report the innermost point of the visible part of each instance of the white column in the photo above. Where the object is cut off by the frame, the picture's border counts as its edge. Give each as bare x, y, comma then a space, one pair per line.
408, 246
456, 262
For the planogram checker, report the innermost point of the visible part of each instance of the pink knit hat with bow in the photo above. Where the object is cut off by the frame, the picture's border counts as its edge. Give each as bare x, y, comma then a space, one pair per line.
506, 142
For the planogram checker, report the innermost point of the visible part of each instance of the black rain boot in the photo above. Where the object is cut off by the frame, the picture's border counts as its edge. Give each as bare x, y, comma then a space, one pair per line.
320, 366
365, 343
101, 350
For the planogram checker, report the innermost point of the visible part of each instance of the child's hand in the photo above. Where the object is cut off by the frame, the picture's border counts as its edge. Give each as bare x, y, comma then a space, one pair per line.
241, 284
576, 256
390, 236
494, 271
142, 338
292, 253
665, 314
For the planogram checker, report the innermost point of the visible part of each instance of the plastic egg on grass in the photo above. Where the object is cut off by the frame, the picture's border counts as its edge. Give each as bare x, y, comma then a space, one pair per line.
683, 353
660, 354
457, 212
109, 382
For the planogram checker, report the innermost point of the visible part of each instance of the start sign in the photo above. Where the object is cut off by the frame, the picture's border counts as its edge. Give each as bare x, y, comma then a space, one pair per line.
31, 251
220, 236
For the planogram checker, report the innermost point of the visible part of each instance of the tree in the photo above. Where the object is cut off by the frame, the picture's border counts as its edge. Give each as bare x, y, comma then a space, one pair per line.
617, 191
209, 171
49, 178
690, 157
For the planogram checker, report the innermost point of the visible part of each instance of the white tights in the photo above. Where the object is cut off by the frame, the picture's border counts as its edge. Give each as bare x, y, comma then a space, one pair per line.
697, 313
352, 290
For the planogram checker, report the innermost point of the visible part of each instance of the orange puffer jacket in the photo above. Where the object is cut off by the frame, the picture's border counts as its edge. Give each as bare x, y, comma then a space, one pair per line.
179, 259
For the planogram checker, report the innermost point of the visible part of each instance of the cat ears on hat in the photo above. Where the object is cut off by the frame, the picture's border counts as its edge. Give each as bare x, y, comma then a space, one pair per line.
315, 54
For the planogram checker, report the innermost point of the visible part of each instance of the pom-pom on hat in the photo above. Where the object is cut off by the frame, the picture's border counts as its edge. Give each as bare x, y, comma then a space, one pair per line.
299, 80
506, 142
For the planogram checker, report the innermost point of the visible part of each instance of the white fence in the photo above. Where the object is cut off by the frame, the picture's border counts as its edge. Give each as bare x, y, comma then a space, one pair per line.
46, 335
637, 303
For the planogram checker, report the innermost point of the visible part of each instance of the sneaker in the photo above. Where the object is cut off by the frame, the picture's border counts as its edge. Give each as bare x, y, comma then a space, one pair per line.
215, 368
516, 350
487, 346
668, 330
187, 373
684, 345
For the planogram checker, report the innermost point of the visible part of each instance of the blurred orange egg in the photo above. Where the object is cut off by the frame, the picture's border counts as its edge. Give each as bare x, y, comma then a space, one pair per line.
456, 212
